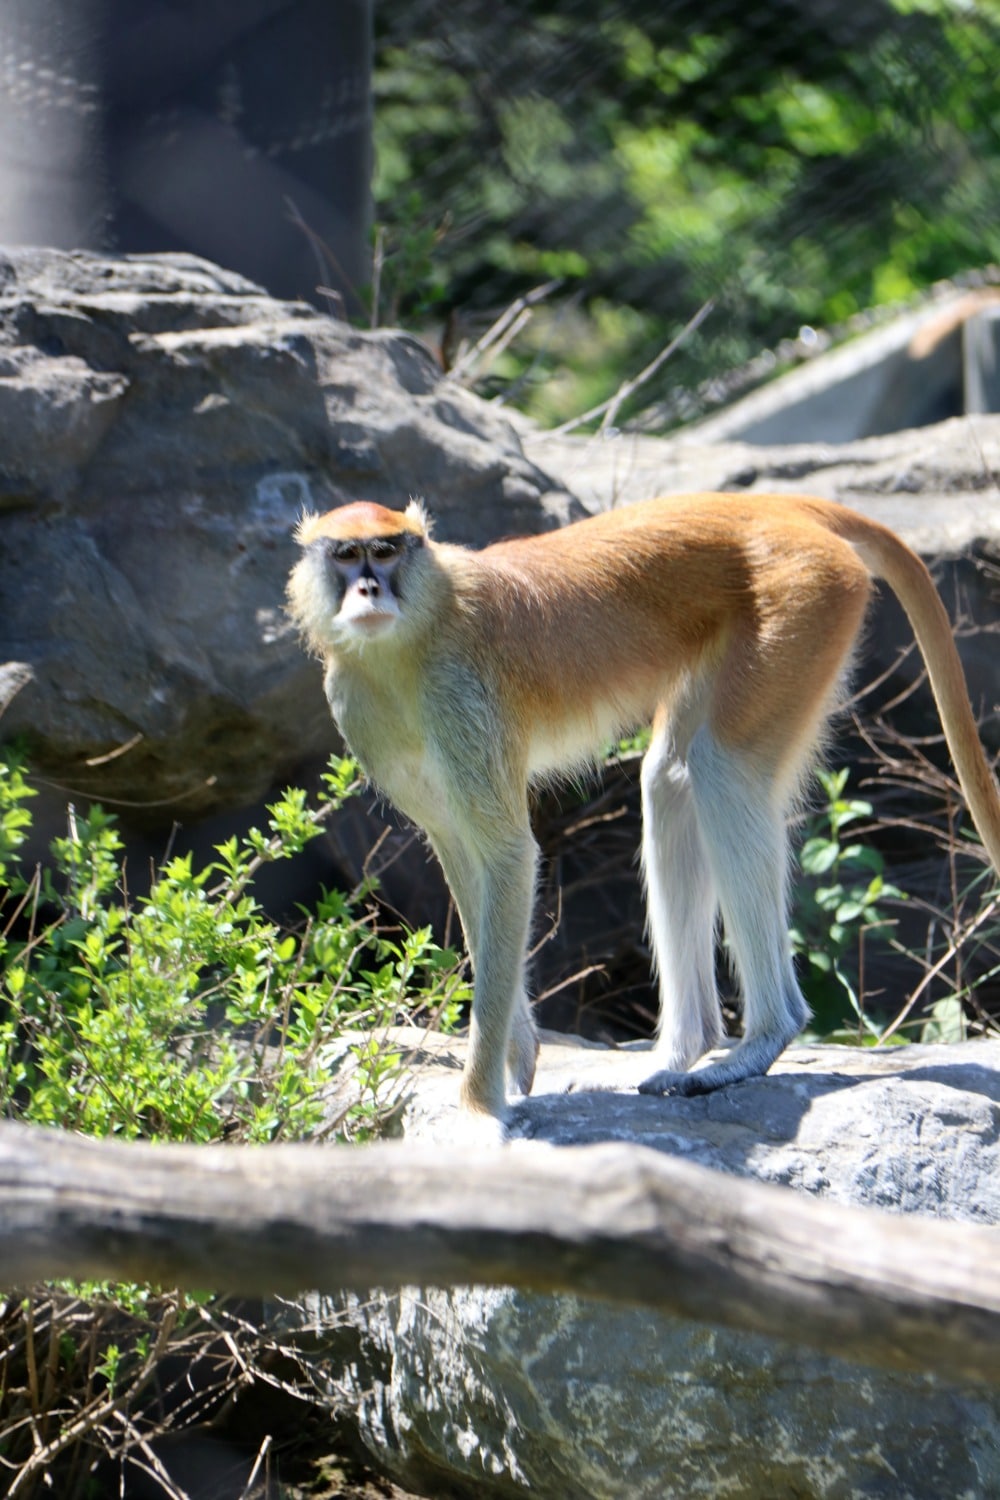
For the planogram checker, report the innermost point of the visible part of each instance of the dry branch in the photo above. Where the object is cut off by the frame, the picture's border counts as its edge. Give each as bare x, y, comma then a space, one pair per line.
617, 1222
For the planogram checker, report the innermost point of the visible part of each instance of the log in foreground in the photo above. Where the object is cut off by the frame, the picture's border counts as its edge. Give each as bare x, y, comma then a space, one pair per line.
617, 1222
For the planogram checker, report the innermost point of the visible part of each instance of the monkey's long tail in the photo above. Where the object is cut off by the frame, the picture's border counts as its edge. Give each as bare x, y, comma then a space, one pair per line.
890, 559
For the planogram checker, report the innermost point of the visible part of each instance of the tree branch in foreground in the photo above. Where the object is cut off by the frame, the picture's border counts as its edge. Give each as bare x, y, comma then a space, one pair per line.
617, 1222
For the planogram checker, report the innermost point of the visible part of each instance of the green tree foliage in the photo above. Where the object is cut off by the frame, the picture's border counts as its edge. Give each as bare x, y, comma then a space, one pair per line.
796, 162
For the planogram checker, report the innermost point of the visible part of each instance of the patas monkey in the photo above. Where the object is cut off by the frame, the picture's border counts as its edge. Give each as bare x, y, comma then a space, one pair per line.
458, 677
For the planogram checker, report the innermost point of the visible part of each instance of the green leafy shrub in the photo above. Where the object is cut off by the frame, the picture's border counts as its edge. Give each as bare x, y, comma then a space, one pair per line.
836, 907
187, 1013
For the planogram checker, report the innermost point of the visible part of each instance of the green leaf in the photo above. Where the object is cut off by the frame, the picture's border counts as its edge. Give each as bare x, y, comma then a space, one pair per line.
947, 1021
818, 855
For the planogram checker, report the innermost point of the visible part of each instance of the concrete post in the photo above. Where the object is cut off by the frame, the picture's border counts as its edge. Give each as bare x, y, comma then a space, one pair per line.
236, 129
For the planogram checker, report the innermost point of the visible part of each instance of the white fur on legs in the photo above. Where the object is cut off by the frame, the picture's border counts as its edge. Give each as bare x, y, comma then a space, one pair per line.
744, 838
522, 1049
680, 902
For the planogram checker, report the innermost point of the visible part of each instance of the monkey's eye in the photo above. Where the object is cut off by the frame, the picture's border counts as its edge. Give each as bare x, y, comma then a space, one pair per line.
347, 552
382, 548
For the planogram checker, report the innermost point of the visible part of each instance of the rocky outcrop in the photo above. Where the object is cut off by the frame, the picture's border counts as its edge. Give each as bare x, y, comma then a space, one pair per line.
936, 486
163, 423
491, 1392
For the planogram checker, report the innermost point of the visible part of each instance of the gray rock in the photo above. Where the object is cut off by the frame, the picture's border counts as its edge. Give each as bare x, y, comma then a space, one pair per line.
162, 425
490, 1392
935, 486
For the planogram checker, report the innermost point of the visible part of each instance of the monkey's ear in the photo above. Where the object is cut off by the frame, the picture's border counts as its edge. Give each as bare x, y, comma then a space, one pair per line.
416, 513
307, 521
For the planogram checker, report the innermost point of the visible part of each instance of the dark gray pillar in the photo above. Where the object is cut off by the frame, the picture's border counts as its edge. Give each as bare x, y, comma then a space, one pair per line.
981, 360
237, 129
52, 176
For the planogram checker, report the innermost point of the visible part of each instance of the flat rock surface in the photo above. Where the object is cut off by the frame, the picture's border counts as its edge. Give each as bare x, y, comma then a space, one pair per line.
936, 486
910, 1128
489, 1392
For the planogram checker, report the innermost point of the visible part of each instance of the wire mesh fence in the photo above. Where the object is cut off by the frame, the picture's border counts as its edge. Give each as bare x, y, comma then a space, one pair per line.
794, 163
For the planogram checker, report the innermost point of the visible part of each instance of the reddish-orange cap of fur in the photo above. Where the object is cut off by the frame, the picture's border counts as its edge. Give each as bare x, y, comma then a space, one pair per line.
361, 520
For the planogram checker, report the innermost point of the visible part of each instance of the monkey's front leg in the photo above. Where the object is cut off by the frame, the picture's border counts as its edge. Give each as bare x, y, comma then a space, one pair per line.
493, 882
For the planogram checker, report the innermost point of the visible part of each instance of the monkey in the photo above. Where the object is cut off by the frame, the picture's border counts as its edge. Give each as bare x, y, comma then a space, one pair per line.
459, 677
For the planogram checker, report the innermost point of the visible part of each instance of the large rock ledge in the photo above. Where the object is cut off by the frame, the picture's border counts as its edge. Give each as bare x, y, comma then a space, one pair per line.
164, 424
491, 1392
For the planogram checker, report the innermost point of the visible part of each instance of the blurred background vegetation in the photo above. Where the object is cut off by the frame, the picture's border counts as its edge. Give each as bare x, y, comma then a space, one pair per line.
797, 161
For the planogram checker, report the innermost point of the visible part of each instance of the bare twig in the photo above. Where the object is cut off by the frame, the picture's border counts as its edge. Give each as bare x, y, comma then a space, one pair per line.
953, 949
609, 409
262, 1453
103, 760
516, 314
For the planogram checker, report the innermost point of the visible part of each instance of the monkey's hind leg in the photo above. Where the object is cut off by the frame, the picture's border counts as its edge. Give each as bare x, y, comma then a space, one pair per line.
681, 906
522, 1049
681, 912
744, 837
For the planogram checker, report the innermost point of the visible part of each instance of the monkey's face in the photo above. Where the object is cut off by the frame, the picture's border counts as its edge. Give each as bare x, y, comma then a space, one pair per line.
355, 581
347, 592
365, 575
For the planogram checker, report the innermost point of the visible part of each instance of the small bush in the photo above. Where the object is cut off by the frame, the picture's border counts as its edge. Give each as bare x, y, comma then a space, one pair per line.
189, 1014
184, 1014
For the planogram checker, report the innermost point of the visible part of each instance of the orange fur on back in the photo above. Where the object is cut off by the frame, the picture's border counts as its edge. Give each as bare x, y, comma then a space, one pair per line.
617, 616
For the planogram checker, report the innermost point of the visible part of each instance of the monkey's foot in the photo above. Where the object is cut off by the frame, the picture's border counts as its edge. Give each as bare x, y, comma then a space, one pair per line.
687, 1084
750, 1059
473, 1129
483, 1130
